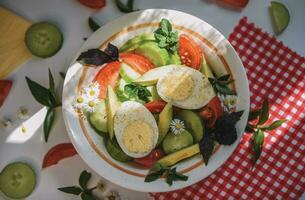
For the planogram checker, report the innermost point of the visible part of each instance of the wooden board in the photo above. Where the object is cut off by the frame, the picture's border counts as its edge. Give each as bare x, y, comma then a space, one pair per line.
13, 51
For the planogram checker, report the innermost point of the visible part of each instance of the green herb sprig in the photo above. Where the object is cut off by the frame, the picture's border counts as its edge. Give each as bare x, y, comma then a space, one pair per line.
125, 8
82, 189
170, 173
134, 92
259, 128
221, 85
166, 37
48, 98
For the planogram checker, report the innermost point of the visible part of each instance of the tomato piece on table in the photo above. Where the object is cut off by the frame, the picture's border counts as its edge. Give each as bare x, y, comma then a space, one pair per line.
190, 52
149, 160
234, 3
95, 4
139, 63
58, 153
211, 112
108, 75
5, 87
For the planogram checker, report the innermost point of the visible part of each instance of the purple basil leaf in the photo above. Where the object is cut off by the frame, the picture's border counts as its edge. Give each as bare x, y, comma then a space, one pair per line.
94, 57
112, 51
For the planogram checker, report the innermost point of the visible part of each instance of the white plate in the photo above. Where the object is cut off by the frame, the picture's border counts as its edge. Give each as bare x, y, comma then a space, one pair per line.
90, 146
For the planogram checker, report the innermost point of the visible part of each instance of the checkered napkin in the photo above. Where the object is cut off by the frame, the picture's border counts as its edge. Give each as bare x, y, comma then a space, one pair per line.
277, 73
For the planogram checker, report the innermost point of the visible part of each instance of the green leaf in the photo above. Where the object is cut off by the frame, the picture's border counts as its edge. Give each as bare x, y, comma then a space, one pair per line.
224, 77
92, 24
249, 128
62, 75
166, 37
53, 96
225, 83
264, 115
224, 90
173, 175
253, 114
165, 26
48, 123
273, 125
152, 176
40, 93
206, 146
71, 190
84, 178
126, 8
258, 141
130, 4
86, 196
137, 92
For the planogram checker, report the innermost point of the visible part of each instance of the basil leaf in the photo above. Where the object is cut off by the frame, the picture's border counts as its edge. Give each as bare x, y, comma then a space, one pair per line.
249, 128
253, 114
125, 8
152, 176
206, 146
62, 75
137, 92
130, 4
94, 57
40, 93
224, 77
84, 178
53, 96
264, 115
237, 115
121, 96
51, 82
93, 25
71, 190
48, 123
273, 125
224, 90
258, 141
225, 83
165, 26
112, 51
86, 196
169, 179
166, 37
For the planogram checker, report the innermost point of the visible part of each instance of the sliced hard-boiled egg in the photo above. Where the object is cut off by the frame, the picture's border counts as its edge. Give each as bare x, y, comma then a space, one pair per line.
135, 129
185, 88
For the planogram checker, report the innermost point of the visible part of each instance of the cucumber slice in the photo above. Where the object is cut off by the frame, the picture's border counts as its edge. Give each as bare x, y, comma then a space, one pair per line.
116, 152
17, 180
136, 41
128, 74
43, 39
98, 119
280, 15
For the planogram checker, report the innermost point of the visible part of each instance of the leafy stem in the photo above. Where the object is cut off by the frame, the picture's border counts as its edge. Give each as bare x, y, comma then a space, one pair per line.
260, 116
221, 85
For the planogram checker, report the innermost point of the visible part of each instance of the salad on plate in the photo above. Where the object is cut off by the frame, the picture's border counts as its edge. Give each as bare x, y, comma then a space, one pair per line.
156, 101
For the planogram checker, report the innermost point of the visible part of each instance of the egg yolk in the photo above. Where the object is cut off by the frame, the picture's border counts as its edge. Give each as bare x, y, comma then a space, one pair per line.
177, 86
137, 137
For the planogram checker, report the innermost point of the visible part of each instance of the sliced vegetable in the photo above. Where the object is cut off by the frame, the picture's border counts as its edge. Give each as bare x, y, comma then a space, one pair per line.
58, 153
151, 159
95, 4
205, 68
155, 106
211, 112
108, 75
128, 74
5, 87
235, 3
280, 15
165, 119
138, 62
112, 104
174, 142
136, 41
190, 52
116, 152
98, 119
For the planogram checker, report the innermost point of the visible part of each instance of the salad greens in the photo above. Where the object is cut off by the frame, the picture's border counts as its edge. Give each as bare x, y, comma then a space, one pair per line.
166, 37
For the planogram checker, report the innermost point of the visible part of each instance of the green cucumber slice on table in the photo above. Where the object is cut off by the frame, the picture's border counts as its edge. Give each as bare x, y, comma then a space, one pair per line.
280, 15
17, 180
43, 39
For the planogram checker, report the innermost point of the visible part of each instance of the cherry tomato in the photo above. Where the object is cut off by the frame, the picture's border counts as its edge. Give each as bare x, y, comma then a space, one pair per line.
211, 112
108, 75
138, 62
149, 160
95, 4
190, 52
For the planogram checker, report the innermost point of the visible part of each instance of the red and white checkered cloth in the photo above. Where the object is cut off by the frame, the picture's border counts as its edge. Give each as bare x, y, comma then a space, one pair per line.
277, 73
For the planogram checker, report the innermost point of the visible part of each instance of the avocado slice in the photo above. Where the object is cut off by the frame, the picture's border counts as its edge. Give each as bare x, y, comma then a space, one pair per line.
151, 50
115, 151
165, 118
177, 156
127, 73
98, 119
136, 41
154, 93
174, 142
175, 58
193, 123
112, 104
205, 69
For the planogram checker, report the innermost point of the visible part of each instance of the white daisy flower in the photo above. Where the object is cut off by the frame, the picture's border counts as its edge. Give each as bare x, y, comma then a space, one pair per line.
79, 102
6, 124
113, 195
93, 90
23, 129
90, 105
23, 113
177, 126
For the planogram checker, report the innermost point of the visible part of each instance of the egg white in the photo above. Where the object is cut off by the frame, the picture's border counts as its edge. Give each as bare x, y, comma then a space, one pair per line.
128, 113
201, 94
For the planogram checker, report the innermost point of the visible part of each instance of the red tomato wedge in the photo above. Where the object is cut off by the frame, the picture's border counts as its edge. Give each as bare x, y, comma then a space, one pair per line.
138, 62
234, 3
58, 153
190, 52
157, 106
211, 112
149, 160
5, 87
95, 4
108, 75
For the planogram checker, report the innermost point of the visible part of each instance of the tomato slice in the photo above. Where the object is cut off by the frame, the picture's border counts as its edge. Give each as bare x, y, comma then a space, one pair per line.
5, 87
211, 112
138, 62
58, 153
155, 106
95, 4
149, 160
108, 75
190, 52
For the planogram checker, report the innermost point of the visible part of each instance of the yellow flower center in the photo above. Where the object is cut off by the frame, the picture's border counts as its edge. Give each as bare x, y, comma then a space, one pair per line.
178, 126
80, 100
92, 93
91, 103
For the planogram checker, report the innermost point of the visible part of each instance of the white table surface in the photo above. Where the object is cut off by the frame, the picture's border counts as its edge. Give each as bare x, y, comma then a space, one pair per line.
72, 19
